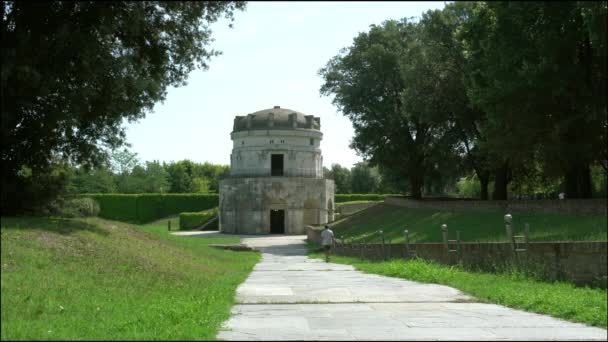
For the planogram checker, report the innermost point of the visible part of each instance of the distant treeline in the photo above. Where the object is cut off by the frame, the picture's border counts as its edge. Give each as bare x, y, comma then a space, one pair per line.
127, 175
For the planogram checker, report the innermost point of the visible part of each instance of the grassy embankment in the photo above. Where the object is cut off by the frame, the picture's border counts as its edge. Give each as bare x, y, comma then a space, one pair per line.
93, 279
424, 225
559, 299
516, 290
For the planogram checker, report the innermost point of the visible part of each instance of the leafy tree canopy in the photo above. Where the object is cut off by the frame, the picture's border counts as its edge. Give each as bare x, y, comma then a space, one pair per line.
73, 71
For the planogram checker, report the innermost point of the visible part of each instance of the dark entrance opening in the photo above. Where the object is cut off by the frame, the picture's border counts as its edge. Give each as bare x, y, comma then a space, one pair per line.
277, 221
276, 165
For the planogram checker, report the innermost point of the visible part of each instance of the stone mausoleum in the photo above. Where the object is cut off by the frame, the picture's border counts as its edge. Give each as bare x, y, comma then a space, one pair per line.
276, 182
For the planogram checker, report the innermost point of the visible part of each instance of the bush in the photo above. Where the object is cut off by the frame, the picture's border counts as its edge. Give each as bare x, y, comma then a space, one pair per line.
339, 198
77, 207
194, 220
142, 208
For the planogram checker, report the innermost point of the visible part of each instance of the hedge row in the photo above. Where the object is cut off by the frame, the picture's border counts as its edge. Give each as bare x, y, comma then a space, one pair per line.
142, 208
194, 220
339, 198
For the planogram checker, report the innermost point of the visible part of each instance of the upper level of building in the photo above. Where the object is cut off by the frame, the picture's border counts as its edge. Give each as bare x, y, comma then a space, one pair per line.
276, 142
276, 118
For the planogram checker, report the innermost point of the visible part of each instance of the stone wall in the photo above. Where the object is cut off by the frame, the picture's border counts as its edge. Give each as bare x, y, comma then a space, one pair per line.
313, 234
573, 206
245, 203
351, 208
581, 262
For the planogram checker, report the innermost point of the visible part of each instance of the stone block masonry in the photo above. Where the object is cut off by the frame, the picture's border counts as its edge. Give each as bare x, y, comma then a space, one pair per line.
276, 183
581, 262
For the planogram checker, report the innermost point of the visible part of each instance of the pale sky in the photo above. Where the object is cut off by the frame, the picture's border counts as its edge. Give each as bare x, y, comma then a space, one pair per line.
271, 57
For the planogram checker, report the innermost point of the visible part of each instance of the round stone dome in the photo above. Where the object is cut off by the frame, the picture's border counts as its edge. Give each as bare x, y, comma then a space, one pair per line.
276, 118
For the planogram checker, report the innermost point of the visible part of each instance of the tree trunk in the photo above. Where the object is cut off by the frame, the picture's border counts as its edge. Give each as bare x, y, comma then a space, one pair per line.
416, 184
578, 181
484, 181
501, 180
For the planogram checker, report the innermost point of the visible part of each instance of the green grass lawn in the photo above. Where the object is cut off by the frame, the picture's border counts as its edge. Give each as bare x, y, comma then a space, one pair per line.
516, 290
424, 225
93, 279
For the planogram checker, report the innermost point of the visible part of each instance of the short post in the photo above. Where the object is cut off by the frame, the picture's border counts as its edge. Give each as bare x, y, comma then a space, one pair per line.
444, 233
458, 243
361, 241
406, 237
383, 249
508, 220
527, 235
169, 225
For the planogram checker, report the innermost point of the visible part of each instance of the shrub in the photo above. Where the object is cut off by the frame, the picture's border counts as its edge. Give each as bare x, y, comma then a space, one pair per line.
78, 207
142, 208
193, 220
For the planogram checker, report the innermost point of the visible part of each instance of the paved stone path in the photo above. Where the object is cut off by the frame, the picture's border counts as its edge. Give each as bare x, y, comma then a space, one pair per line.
291, 297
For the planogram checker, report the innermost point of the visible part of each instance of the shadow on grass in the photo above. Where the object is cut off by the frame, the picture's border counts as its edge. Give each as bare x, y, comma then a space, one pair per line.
58, 225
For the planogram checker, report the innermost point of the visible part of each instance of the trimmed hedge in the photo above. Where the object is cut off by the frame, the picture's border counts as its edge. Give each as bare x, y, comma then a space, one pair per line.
142, 208
193, 220
339, 198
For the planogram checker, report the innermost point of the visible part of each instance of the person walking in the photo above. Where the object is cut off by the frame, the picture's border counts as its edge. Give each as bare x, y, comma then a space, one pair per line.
327, 241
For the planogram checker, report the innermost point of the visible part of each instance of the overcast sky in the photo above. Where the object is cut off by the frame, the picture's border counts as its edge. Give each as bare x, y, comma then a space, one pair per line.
271, 57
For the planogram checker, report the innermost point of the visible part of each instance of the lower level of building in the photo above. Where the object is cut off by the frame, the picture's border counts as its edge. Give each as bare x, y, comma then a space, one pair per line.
274, 205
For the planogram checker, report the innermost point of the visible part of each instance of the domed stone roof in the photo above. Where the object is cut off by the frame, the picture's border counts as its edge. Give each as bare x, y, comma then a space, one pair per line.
276, 118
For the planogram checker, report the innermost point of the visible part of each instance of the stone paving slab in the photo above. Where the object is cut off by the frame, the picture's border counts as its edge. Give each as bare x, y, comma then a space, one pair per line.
291, 297
398, 321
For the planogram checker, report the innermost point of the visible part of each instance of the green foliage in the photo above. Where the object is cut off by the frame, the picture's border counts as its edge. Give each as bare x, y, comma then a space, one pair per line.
120, 207
599, 179
33, 191
98, 180
378, 83
341, 176
483, 225
512, 92
538, 71
92, 279
123, 161
469, 187
364, 179
73, 72
141, 208
513, 289
197, 219
153, 177
78, 207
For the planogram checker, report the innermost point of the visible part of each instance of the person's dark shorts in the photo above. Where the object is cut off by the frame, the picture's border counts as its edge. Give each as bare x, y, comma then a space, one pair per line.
327, 247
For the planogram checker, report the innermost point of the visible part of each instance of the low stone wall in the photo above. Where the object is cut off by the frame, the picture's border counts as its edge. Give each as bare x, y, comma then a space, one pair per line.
313, 234
573, 206
351, 208
581, 262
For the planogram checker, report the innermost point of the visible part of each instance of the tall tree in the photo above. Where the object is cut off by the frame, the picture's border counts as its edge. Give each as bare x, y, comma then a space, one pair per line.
157, 178
382, 83
97, 180
540, 75
364, 179
73, 71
